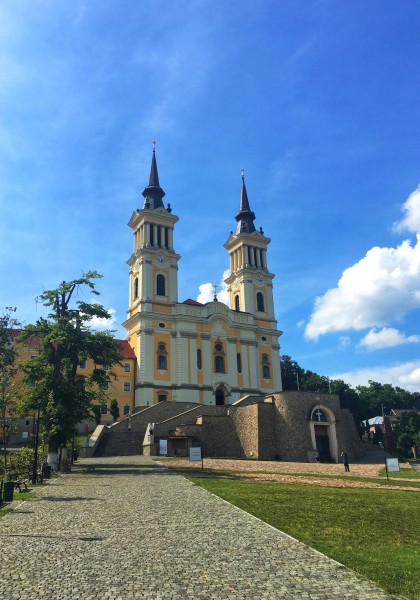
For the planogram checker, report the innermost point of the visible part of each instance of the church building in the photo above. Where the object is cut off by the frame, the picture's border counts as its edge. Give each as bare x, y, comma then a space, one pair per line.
209, 353
208, 375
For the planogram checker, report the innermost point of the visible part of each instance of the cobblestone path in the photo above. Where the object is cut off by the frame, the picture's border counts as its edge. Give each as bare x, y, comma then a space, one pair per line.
132, 529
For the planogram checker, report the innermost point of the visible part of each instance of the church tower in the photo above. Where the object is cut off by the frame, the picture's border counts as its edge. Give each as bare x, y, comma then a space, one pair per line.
249, 284
250, 289
153, 287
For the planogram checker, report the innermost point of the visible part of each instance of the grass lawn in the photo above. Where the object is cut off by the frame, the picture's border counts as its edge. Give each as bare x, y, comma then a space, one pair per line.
375, 532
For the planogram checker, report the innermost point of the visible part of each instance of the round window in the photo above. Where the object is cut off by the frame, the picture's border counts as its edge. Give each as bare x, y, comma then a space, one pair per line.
162, 325
219, 347
161, 346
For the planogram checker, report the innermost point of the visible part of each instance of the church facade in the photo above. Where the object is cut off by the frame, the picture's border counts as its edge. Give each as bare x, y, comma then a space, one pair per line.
211, 353
208, 375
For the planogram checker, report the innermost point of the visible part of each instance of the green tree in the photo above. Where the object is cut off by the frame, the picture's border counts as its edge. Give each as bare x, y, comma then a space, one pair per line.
114, 410
8, 382
291, 373
407, 432
65, 339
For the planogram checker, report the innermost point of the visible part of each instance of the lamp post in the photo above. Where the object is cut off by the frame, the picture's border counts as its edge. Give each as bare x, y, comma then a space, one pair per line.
35, 467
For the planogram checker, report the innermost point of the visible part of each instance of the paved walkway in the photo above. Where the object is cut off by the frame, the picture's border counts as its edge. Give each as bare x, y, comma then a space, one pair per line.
131, 529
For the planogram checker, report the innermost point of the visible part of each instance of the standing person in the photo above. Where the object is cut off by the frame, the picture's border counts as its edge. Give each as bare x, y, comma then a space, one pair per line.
345, 460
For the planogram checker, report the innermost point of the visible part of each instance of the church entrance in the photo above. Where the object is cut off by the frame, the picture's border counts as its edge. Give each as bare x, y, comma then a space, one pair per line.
322, 443
220, 397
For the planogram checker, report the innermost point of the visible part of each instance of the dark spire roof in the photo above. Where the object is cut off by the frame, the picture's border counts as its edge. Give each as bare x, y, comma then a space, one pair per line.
245, 216
153, 193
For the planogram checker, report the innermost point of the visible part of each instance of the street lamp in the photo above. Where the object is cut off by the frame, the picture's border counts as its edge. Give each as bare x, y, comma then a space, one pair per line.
35, 467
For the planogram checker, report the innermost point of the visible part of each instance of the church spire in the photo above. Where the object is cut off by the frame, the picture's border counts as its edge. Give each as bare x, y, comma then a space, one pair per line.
245, 216
153, 193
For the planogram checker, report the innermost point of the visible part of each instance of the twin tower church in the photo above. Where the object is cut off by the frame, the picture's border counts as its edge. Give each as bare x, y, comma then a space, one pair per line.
188, 351
208, 375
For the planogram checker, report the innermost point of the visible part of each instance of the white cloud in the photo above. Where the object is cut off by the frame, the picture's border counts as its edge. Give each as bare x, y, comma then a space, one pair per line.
104, 324
411, 220
206, 291
406, 375
386, 338
344, 340
382, 287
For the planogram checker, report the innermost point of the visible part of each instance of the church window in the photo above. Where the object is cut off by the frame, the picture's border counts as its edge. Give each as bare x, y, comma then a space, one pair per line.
166, 238
237, 302
160, 285
151, 231
199, 359
239, 362
219, 358
260, 302
161, 357
136, 287
266, 367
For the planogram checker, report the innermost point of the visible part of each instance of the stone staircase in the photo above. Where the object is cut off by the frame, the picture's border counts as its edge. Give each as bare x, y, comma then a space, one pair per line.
373, 455
116, 443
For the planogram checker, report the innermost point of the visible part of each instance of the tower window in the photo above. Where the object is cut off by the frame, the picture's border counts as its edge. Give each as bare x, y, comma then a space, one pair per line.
161, 357
260, 302
239, 362
219, 364
166, 238
199, 359
265, 367
160, 285
136, 287
219, 359
237, 302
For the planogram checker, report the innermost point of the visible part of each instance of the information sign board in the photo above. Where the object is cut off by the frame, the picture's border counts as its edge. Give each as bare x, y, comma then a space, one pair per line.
195, 454
163, 447
392, 465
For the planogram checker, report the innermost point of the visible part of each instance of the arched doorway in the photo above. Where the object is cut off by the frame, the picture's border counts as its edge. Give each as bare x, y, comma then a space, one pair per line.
220, 397
323, 433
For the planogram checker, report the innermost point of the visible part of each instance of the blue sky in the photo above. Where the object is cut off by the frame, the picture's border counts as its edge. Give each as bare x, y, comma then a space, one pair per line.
317, 100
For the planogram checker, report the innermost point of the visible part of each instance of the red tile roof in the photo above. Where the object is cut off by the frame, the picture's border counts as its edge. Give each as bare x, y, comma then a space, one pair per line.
192, 302
126, 349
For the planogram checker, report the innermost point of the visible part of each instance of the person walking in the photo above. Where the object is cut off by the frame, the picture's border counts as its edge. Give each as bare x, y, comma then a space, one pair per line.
345, 460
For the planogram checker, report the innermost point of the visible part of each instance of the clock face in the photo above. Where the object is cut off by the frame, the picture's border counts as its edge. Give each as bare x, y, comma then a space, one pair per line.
161, 258
259, 277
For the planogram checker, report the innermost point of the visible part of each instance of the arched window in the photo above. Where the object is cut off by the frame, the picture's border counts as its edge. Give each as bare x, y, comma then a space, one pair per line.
219, 358
136, 287
198, 358
260, 302
239, 362
160, 285
237, 302
161, 357
265, 367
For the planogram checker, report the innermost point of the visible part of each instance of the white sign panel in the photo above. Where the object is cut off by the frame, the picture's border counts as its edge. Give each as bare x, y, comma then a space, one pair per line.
163, 447
392, 464
25, 435
195, 454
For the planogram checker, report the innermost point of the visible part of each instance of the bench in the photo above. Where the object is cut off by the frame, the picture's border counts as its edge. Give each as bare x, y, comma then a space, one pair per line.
19, 483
